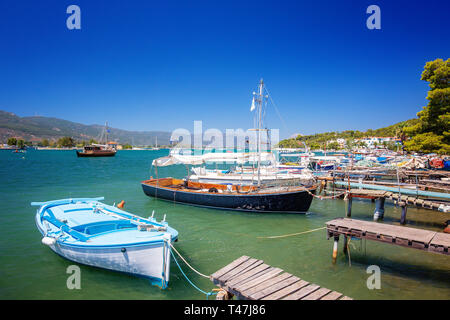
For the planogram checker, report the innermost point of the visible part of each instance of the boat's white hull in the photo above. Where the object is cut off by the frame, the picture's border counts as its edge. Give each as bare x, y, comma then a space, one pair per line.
146, 260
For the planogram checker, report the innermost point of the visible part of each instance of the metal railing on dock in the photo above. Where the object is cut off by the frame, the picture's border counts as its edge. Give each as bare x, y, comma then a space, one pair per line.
251, 279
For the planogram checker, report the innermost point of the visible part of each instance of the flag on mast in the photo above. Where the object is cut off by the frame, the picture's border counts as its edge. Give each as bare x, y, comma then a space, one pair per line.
253, 104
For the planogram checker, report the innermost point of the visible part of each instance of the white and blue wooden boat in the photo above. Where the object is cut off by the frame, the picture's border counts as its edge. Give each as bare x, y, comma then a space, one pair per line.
89, 232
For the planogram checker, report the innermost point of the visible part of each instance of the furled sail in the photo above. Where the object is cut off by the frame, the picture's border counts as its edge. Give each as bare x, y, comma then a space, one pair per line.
212, 157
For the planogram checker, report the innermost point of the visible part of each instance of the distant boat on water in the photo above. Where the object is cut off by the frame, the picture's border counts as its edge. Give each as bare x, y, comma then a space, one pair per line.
156, 144
99, 150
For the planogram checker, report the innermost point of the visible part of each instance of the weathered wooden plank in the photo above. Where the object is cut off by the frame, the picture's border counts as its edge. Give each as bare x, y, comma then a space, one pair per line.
316, 295
250, 278
247, 265
274, 288
270, 283
332, 296
246, 276
441, 239
258, 280
302, 292
287, 290
431, 241
376, 228
345, 298
228, 267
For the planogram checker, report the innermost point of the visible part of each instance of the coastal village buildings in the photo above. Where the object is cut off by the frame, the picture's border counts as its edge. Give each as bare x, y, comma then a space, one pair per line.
373, 142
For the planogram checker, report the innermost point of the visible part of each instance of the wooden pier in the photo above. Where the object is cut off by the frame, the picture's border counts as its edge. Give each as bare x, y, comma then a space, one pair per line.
430, 241
251, 279
402, 200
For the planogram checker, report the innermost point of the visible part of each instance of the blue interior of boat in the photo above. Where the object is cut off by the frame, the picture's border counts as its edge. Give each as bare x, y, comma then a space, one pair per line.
104, 226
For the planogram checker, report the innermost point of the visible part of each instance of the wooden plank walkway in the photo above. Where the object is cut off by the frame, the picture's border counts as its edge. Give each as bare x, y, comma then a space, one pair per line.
251, 279
431, 241
407, 200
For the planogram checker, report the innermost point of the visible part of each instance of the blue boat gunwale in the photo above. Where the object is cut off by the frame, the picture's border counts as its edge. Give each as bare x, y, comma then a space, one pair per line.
85, 245
83, 237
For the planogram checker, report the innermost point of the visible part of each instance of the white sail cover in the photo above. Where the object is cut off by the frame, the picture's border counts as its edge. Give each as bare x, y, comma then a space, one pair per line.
212, 157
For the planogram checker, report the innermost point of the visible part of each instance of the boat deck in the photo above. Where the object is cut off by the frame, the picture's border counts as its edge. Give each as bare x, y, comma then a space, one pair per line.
251, 279
236, 189
76, 215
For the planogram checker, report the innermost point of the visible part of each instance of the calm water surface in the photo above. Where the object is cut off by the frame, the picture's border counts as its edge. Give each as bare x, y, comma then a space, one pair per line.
209, 239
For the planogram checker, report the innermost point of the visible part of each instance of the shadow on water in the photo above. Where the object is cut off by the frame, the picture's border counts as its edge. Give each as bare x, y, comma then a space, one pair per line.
393, 266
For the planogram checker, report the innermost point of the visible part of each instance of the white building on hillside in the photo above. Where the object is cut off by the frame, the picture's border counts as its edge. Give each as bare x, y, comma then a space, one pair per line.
373, 142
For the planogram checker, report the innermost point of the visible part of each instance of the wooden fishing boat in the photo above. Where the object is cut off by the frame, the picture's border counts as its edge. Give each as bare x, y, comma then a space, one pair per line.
258, 190
96, 151
89, 232
99, 150
296, 199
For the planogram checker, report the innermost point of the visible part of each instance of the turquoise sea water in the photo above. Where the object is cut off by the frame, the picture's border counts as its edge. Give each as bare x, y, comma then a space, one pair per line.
209, 239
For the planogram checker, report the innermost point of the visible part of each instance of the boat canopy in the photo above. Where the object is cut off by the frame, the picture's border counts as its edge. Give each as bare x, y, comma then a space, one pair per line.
212, 157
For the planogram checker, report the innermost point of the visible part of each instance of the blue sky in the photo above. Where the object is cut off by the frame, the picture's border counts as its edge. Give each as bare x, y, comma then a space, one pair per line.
160, 65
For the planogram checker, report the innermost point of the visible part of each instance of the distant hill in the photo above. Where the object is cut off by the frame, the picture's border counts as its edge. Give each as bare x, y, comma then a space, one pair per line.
38, 128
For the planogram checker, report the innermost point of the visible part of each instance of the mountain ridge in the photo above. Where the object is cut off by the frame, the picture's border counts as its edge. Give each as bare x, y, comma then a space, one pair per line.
37, 128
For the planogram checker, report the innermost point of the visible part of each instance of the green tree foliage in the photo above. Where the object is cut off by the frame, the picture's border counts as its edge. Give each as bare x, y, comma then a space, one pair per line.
20, 144
127, 146
45, 143
12, 141
319, 140
66, 142
428, 142
431, 133
333, 145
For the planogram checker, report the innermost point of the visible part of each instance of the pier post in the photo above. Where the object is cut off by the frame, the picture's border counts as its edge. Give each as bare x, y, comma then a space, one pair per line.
349, 206
345, 244
379, 209
404, 210
223, 295
335, 248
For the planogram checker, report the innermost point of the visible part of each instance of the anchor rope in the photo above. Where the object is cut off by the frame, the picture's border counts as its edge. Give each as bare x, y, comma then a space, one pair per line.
187, 278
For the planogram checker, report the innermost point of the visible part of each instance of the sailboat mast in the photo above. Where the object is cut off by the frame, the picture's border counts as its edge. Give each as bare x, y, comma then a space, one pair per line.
106, 132
260, 104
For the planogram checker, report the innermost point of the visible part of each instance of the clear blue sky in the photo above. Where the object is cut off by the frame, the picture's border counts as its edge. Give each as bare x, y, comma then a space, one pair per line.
160, 65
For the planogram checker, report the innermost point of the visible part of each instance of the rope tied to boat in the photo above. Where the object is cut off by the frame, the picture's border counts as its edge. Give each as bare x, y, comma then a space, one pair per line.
326, 197
208, 294
184, 260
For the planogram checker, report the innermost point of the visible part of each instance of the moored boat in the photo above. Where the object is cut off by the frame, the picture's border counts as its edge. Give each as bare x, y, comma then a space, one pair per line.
295, 199
96, 150
89, 232
99, 150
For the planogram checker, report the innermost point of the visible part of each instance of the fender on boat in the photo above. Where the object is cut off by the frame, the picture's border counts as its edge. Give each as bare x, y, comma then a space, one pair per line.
48, 241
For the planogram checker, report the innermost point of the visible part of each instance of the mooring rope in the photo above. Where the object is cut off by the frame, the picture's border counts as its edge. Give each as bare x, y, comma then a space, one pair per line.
292, 234
189, 280
184, 260
326, 197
